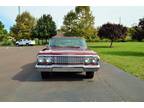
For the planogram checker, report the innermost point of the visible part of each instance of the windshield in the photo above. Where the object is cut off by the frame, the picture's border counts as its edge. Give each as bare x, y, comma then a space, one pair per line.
67, 42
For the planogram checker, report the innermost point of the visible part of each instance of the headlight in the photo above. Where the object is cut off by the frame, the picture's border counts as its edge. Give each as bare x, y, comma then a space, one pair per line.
87, 61
93, 60
40, 60
48, 60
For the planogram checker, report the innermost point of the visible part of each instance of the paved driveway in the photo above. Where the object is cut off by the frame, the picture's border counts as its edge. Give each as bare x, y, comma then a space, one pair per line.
20, 82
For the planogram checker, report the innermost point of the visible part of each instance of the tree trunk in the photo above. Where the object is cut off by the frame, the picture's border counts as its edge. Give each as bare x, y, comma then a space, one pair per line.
111, 43
42, 42
38, 42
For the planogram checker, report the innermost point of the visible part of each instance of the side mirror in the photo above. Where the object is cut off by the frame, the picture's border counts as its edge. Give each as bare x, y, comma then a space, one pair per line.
47, 46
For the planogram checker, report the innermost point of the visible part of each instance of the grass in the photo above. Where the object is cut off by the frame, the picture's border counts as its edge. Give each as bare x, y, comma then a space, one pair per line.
128, 56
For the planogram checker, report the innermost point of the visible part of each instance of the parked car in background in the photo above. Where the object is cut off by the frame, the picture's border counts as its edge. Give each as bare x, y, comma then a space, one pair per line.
67, 54
25, 42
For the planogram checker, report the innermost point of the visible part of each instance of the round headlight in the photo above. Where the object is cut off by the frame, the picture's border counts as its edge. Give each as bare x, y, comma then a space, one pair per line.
40, 60
48, 60
87, 60
94, 61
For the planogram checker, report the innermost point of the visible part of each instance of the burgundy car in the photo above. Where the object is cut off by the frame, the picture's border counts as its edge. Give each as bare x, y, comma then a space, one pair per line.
67, 54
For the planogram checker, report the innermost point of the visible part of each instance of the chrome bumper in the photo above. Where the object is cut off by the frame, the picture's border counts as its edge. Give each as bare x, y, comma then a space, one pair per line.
67, 68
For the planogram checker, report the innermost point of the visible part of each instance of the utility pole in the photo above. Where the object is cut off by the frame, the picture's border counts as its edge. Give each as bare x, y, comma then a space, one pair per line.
19, 10
19, 32
119, 20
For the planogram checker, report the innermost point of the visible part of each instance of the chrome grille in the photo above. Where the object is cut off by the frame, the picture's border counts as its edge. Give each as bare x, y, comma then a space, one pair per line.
68, 59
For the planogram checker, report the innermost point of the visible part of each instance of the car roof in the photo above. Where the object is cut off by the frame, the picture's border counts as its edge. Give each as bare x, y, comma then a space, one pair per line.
67, 37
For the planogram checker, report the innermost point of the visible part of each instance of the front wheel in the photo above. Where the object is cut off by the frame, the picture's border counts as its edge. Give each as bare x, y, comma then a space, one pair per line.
27, 44
44, 75
17, 44
89, 74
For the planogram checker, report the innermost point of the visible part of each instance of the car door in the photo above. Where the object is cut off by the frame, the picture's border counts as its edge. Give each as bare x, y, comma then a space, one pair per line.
20, 42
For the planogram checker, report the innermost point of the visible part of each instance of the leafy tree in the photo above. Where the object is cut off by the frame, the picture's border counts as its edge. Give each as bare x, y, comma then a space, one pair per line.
138, 31
45, 28
3, 31
112, 32
79, 22
24, 24
130, 31
70, 24
141, 23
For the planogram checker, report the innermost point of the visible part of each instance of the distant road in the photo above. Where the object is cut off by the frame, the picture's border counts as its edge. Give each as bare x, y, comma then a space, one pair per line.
20, 82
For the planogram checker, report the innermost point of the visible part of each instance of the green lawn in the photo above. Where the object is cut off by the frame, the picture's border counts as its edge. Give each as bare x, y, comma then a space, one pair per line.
128, 56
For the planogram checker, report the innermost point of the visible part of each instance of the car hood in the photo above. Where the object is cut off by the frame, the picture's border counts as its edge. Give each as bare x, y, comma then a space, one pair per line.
66, 51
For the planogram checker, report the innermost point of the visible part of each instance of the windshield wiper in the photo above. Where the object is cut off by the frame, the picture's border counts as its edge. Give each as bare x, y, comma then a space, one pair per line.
74, 46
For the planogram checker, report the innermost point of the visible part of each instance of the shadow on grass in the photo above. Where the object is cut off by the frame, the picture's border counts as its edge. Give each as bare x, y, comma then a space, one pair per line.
125, 53
29, 73
98, 46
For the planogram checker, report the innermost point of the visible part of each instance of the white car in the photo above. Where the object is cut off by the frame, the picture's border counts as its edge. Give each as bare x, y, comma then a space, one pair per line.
23, 42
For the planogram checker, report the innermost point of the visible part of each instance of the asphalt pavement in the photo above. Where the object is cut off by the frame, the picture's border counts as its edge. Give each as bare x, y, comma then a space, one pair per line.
19, 81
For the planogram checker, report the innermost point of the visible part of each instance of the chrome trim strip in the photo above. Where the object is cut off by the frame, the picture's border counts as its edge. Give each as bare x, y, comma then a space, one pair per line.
67, 55
72, 66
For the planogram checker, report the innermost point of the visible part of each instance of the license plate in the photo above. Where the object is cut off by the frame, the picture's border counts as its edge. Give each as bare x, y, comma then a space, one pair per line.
67, 69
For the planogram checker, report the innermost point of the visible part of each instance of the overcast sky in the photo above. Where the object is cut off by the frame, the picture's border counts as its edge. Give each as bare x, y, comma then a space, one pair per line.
102, 14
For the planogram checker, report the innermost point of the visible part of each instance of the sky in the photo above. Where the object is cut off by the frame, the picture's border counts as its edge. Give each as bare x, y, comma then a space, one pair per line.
128, 15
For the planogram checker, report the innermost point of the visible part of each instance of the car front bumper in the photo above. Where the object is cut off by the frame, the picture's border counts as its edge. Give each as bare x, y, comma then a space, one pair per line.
67, 68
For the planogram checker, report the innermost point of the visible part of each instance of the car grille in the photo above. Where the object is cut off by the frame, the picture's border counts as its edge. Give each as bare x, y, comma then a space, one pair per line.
68, 60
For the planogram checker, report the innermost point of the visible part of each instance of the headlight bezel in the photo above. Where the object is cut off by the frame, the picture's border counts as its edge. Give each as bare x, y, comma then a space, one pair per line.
93, 60
44, 60
40, 60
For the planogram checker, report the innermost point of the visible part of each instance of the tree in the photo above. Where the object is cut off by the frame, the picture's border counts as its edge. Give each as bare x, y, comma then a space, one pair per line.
24, 24
45, 28
3, 31
138, 31
112, 32
141, 23
79, 22
70, 24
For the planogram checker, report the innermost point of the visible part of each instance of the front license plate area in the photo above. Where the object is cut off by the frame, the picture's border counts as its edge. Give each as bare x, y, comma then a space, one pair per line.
67, 69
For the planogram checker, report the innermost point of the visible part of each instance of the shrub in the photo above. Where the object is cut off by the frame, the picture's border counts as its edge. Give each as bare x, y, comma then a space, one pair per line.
7, 42
41, 42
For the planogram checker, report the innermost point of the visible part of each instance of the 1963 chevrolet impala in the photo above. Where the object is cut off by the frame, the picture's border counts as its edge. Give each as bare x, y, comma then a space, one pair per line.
67, 54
